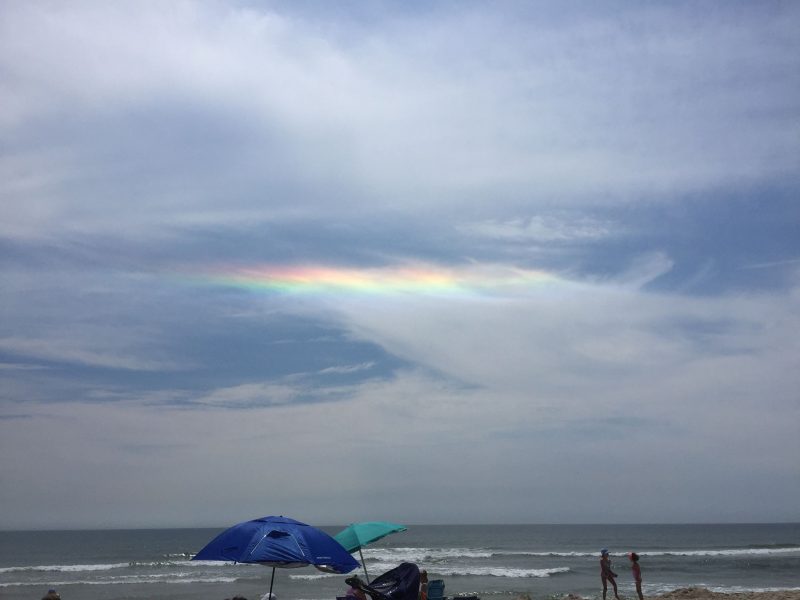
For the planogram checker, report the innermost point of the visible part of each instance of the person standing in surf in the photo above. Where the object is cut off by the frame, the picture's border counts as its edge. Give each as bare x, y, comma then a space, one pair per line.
606, 574
637, 573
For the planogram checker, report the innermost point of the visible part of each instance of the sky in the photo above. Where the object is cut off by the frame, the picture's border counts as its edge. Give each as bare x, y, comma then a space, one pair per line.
447, 262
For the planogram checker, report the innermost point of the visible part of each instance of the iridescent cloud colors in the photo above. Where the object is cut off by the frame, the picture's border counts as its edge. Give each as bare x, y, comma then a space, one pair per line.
413, 279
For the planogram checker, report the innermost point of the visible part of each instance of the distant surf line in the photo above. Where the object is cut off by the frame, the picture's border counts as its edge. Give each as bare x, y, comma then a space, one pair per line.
410, 554
428, 554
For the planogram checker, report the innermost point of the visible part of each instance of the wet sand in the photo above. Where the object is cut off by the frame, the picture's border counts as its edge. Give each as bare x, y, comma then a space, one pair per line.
704, 594
698, 593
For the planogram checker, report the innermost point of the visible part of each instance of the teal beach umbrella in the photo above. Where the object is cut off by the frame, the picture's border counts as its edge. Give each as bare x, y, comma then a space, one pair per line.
357, 535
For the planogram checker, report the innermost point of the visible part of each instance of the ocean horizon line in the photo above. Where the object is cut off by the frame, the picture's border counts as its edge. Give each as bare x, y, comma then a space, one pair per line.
408, 524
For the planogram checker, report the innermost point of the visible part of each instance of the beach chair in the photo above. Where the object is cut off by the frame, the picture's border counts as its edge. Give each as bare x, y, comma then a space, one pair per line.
400, 583
436, 589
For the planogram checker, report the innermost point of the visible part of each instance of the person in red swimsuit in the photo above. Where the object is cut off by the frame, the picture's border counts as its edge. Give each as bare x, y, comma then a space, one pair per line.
637, 573
606, 574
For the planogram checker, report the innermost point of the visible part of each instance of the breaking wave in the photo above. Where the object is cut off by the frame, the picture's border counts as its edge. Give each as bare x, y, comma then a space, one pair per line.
172, 578
429, 555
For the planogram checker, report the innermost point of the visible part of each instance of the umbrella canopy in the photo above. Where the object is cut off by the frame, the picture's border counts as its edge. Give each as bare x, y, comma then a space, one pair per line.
357, 535
278, 542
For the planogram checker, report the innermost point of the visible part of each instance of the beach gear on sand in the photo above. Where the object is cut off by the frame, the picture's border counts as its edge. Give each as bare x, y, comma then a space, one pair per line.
436, 589
357, 535
400, 583
279, 542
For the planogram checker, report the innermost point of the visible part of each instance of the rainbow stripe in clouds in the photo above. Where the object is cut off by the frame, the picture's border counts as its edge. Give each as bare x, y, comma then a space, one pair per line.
392, 280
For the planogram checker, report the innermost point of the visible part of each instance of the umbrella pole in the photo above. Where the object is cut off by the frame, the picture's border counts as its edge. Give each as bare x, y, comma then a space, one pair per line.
364, 564
271, 580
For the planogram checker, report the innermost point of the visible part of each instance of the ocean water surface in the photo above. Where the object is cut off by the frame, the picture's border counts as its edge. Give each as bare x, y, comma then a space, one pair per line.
490, 561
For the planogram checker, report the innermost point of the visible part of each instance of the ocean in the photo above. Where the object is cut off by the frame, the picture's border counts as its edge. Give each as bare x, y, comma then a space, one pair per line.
494, 562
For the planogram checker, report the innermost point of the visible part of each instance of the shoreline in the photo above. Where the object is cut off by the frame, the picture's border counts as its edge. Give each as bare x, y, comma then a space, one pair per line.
699, 593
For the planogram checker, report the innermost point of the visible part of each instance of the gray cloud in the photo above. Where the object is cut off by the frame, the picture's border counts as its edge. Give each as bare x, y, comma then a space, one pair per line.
651, 102
642, 160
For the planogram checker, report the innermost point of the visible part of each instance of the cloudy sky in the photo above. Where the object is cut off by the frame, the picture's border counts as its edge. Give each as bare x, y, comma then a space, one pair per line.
451, 262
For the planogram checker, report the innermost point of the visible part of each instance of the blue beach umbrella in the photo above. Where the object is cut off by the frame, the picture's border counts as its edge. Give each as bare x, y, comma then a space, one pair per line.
279, 542
357, 535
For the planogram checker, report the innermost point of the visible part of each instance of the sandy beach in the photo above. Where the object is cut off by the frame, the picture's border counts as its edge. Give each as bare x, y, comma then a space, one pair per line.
699, 593
704, 594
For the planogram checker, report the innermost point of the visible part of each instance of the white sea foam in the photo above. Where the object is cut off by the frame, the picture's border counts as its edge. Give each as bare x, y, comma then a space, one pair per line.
428, 555
498, 572
452, 571
383, 559
422, 555
457, 570
702, 552
543, 554
724, 552
195, 564
65, 568
113, 566
312, 576
120, 581
736, 589
202, 580
657, 589
179, 555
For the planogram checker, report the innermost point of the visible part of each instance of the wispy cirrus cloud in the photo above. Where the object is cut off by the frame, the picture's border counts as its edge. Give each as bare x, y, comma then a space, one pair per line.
20, 367
541, 229
344, 369
67, 351
774, 263
549, 232
298, 113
